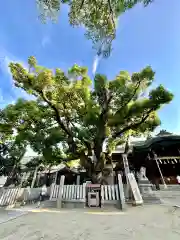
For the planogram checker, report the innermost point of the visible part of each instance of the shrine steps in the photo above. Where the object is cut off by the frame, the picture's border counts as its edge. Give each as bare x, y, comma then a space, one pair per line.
168, 194
174, 187
151, 198
168, 197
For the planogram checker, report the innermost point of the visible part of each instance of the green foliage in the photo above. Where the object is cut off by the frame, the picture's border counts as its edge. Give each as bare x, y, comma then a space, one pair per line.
70, 112
12, 138
98, 17
35, 126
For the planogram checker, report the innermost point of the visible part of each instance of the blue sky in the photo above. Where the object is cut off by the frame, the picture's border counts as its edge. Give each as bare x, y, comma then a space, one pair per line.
145, 36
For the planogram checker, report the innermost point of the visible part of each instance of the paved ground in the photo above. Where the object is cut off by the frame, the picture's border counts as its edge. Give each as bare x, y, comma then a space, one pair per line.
138, 223
6, 215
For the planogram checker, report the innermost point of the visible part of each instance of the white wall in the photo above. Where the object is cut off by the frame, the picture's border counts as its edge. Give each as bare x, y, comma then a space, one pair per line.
30, 194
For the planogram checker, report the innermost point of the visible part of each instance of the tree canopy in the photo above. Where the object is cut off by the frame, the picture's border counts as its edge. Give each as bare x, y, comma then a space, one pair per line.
84, 118
99, 17
13, 149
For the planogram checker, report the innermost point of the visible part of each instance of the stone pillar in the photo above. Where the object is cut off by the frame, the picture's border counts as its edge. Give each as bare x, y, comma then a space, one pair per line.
84, 194
59, 200
78, 180
126, 171
126, 166
121, 193
102, 196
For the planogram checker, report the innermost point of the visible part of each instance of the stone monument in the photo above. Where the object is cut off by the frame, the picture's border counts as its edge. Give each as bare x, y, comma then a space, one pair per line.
142, 175
144, 184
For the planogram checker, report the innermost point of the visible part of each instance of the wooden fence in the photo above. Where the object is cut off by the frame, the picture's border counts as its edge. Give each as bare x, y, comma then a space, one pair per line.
75, 192
8, 196
70, 192
54, 191
110, 192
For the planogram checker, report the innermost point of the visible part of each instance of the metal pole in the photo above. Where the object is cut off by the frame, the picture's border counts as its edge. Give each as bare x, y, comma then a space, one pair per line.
165, 186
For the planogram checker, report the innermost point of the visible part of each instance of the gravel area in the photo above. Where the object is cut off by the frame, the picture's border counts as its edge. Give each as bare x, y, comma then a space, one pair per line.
137, 223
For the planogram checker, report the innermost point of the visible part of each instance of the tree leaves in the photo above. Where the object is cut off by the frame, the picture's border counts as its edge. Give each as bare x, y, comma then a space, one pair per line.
99, 17
70, 111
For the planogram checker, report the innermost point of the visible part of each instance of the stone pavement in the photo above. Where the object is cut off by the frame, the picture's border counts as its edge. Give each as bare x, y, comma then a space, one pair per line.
7, 215
137, 223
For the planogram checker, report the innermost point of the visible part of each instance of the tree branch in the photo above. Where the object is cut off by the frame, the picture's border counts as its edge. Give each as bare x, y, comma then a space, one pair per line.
111, 13
82, 3
61, 124
87, 144
132, 96
135, 125
70, 141
101, 135
105, 110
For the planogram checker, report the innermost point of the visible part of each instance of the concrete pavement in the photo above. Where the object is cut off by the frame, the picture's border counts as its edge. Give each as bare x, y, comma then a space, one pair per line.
7, 215
137, 223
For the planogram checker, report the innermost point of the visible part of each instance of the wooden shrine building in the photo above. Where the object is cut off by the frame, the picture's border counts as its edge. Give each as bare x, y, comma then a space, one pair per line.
159, 152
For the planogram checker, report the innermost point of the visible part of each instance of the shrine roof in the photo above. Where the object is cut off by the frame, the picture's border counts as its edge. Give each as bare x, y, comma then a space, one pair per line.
164, 140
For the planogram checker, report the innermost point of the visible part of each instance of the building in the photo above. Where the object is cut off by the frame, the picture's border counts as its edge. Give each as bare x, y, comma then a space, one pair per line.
161, 157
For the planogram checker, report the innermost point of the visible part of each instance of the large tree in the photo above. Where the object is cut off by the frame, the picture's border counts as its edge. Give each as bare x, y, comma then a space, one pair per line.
13, 150
92, 116
33, 125
99, 17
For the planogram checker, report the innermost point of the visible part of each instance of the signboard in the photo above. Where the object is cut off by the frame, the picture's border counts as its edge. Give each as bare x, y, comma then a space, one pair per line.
93, 185
135, 189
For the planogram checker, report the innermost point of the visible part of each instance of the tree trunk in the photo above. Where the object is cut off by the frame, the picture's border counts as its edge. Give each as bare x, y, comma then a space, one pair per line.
34, 177
10, 178
105, 177
47, 175
38, 178
99, 170
102, 171
22, 179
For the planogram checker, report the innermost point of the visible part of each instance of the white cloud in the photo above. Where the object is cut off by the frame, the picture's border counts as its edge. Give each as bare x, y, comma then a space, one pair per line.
95, 64
45, 41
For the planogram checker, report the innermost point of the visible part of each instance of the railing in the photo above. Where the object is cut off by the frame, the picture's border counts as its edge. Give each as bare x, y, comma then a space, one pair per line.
110, 192
70, 192
8, 196
77, 193
73, 192
54, 191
